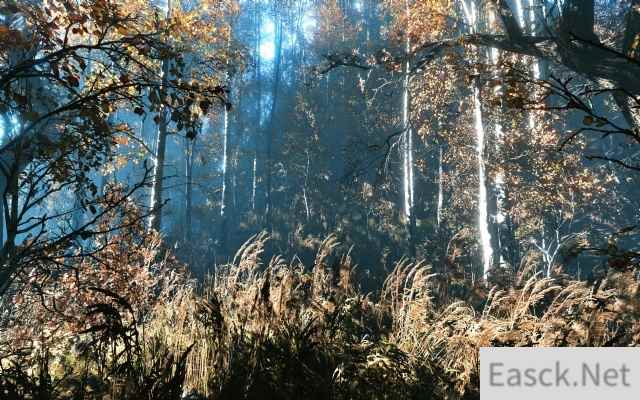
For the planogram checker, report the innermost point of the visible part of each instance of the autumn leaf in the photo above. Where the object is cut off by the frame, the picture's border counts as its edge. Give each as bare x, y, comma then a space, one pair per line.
121, 140
121, 161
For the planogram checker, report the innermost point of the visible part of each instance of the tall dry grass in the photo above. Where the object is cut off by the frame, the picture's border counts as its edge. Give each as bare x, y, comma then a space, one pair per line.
283, 330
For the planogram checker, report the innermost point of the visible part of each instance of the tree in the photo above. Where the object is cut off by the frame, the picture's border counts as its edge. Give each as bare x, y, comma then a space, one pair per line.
63, 111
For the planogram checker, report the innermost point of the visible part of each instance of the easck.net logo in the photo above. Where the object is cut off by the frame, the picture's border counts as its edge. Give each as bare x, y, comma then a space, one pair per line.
559, 373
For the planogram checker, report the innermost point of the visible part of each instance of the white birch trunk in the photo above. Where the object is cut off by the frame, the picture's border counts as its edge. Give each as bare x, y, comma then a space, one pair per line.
486, 250
483, 216
225, 158
407, 148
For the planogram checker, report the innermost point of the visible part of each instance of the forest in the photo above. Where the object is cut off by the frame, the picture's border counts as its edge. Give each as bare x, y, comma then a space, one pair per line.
311, 199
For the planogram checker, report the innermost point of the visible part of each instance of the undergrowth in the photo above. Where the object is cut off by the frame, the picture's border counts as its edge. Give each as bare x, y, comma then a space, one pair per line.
137, 327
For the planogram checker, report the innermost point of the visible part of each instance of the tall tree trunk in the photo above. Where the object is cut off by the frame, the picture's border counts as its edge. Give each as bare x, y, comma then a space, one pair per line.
225, 162
188, 208
497, 194
224, 200
10, 199
486, 250
234, 181
258, 114
271, 127
304, 188
3, 190
538, 72
440, 189
155, 220
407, 148
483, 215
